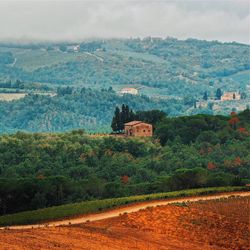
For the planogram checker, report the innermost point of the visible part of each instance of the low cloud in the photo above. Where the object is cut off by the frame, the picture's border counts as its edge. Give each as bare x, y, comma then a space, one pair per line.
56, 20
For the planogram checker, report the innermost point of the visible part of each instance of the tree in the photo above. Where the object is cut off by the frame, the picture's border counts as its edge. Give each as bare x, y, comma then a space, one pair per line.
184, 178
151, 116
121, 117
116, 124
205, 96
125, 115
195, 105
211, 166
218, 94
39, 170
131, 115
110, 89
63, 48
209, 137
64, 91
188, 100
234, 120
210, 105
125, 179
243, 95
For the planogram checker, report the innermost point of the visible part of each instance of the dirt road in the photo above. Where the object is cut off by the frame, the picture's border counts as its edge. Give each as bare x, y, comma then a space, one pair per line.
127, 209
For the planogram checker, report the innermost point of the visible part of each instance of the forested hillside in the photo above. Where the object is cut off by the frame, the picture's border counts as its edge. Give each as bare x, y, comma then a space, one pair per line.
83, 108
178, 67
39, 170
170, 74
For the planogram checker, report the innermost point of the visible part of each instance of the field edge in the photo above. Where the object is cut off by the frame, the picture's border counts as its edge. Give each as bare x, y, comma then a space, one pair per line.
87, 207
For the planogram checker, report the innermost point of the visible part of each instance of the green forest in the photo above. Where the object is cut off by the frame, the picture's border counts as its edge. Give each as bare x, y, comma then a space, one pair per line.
167, 63
42, 164
91, 109
82, 108
177, 67
170, 74
40, 170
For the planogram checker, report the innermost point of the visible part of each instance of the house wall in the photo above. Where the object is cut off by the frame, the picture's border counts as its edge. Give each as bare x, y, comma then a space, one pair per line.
139, 130
228, 96
129, 91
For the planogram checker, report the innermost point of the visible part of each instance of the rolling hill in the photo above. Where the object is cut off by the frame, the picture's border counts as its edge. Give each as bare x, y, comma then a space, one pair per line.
171, 74
174, 65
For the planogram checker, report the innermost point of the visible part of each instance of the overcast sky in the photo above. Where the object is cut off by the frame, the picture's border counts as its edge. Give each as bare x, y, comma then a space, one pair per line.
224, 20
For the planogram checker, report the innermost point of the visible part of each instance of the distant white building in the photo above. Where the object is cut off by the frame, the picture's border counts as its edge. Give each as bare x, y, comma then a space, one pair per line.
76, 48
229, 96
131, 91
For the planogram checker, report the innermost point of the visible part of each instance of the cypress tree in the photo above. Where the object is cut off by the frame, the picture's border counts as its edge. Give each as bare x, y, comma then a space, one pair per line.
218, 94
127, 118
123, 116
116, 124
205, 96
131, 115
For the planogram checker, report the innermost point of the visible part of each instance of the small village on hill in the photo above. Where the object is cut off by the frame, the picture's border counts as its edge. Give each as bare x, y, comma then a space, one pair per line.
227, 101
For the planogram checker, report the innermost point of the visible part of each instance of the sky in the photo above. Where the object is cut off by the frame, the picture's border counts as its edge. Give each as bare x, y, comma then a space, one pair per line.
67, 20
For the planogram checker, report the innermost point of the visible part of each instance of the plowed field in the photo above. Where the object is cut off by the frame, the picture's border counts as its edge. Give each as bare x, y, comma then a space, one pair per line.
220, 224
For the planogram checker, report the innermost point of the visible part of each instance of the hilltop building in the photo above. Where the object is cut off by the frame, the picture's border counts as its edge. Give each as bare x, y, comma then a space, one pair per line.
138, 128
76, 48
131, 91
229, 96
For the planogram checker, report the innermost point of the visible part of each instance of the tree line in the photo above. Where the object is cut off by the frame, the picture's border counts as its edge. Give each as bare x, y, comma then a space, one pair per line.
39, 170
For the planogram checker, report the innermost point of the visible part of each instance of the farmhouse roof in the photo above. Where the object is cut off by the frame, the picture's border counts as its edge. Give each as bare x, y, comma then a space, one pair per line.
134, 123
230, 93
129, 89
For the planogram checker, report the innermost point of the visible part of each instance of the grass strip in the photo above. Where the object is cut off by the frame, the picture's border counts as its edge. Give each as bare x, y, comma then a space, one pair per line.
85, 207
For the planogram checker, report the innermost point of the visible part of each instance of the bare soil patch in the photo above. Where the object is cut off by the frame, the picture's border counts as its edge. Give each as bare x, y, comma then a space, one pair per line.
221, 224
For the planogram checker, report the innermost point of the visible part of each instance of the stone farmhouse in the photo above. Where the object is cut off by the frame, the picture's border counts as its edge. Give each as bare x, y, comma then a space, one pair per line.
138, 128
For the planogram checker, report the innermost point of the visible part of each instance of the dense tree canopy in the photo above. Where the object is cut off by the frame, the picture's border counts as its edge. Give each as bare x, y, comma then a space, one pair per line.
121, 117
175, 67
39, 170
73, 109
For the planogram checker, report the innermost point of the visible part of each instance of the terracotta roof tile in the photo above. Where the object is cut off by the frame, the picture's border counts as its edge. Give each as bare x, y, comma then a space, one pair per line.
133, 123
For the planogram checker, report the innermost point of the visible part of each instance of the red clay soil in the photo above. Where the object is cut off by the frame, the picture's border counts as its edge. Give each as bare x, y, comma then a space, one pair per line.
204, 225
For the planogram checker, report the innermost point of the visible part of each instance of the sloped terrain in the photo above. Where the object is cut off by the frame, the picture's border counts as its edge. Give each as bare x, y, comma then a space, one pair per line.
172, 74
175, 65
220, 224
